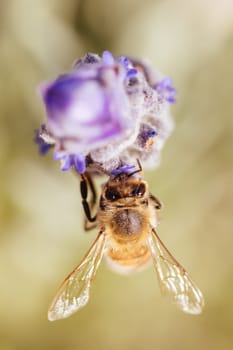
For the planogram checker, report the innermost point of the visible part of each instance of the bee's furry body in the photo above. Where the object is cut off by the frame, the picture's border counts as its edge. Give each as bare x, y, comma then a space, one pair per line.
126, 220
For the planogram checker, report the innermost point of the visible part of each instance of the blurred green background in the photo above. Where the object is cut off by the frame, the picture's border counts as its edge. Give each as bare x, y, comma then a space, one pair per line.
42, 236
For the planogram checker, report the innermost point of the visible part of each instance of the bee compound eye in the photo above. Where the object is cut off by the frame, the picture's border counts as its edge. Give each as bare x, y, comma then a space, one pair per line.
139, 191
112, 194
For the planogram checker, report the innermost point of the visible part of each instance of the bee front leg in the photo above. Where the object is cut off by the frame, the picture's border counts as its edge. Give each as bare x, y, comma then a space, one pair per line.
156, 201
84, 184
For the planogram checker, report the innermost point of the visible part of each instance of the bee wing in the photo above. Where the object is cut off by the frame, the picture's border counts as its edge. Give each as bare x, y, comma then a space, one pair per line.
173, 279
74, 292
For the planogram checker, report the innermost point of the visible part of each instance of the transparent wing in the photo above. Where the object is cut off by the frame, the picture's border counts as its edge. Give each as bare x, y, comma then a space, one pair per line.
173, 279
74, 292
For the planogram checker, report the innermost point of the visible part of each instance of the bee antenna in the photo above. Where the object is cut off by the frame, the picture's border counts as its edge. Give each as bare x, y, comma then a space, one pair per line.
137, 170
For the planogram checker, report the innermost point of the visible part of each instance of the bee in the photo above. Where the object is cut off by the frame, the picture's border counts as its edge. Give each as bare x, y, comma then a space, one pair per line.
127, 217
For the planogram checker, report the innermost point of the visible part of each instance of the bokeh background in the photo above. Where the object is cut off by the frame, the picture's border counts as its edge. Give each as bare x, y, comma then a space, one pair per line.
42, 235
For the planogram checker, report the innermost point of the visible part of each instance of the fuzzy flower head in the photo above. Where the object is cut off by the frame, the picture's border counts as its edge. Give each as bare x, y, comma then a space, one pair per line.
104, 113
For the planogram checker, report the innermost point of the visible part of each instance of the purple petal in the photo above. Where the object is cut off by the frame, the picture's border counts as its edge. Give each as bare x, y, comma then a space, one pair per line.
166, 89
66, 163
58, 97
79, 163
124, 169
124, 60
107, 58
131, 72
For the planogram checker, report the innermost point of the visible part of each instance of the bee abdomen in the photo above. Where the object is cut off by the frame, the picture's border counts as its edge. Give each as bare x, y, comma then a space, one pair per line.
127, 223
127, 258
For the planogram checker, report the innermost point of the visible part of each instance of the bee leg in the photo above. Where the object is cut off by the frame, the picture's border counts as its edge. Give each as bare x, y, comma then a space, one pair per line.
89, 225
158, 204
85, 182
93, 190
137, 170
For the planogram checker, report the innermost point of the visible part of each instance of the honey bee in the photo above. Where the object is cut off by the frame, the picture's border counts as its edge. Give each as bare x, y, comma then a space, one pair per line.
127, 217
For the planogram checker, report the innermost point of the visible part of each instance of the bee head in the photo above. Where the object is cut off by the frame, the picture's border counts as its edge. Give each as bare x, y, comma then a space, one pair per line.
124, 186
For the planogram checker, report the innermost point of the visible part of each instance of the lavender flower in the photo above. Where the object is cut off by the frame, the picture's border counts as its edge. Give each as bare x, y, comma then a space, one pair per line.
104, 113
